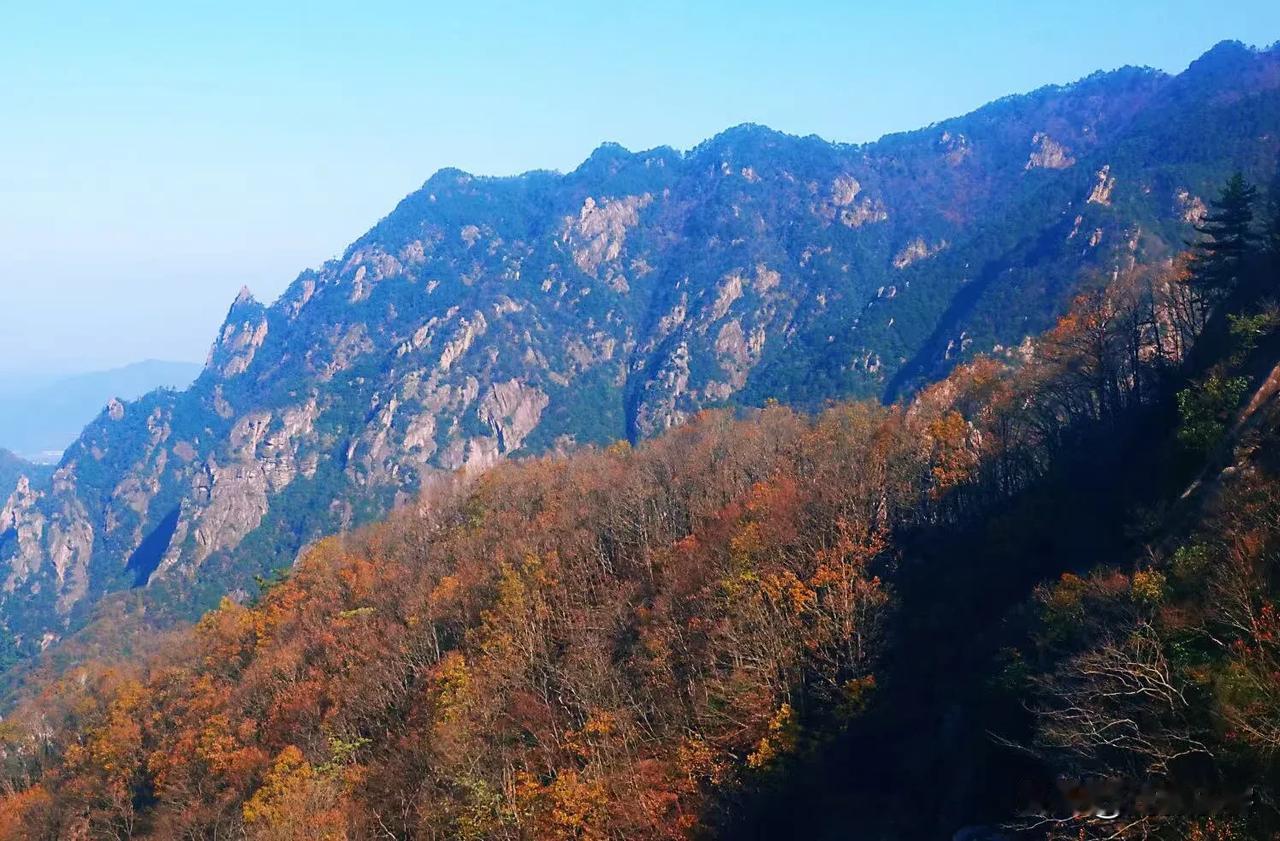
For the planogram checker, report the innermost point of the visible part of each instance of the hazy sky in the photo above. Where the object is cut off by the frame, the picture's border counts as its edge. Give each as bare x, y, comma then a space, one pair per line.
157, 156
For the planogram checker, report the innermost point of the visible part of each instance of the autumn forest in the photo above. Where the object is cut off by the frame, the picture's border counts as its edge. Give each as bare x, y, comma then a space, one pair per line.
1062, 563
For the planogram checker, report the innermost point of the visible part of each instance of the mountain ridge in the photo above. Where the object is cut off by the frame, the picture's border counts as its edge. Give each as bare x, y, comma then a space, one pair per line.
492, 317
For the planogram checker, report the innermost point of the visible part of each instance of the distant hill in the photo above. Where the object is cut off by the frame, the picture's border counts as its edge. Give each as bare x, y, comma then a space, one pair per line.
41, 416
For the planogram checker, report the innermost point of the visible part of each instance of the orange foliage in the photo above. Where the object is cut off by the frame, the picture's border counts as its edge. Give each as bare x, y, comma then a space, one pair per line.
579, 648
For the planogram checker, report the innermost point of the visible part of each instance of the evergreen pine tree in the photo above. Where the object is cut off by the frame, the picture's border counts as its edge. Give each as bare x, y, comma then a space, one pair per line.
1271, 232
1228, 238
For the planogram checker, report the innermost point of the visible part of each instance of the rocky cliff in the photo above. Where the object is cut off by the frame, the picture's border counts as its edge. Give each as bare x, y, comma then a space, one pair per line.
13, 468
491, 317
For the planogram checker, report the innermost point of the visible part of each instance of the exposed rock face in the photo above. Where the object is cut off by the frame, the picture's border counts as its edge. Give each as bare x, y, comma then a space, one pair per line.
852, 211
235, 497
241, 336
955, 147
467, 332
54, 542
845, 190
664, 406
915, 251
1047, 153
729, 291
1191, 208
486, 318
737, 354
511, 409
599, 233
230, 499
26, 522
1103, 187
16, 472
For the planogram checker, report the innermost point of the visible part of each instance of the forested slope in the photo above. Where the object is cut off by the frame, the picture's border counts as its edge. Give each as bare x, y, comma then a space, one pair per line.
886, 622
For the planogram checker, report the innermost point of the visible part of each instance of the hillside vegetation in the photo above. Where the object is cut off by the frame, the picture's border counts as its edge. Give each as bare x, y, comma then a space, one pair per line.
880, 621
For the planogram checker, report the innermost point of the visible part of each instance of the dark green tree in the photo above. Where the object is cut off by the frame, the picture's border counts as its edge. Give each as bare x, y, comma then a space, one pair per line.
1227, 240
1271, 232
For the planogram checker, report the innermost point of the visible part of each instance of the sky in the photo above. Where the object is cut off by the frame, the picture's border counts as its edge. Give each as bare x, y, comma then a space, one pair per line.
155, 157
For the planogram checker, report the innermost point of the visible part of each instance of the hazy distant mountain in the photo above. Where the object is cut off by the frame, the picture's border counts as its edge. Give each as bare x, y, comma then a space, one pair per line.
491, 317
41, 416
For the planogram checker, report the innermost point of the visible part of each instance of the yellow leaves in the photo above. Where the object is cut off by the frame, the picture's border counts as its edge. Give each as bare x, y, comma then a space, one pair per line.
1063, 604
746, 546
445, 594
294, 803
327, 551
577, 805
780, 738
569, 807
484, 812
699, 760
289, 768
601, 723
594, 736
219, 747
107, 761
115, 744
1068, 593
519, 614
954, 460
785, 590
519, 585
827, 575
451, 684
228, 633
527, 788
1148, 587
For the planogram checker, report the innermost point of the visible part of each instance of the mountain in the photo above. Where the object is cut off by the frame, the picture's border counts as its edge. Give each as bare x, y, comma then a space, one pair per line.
486, 318
13, 468
41, 416
1036, 601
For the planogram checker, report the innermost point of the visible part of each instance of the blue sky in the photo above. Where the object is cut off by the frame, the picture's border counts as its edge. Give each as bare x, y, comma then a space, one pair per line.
154, 157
